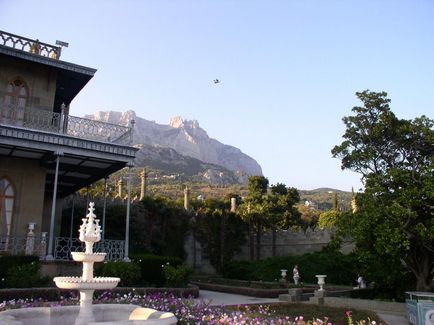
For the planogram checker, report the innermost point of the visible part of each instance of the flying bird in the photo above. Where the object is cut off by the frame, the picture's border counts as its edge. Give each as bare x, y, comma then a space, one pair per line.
216, 81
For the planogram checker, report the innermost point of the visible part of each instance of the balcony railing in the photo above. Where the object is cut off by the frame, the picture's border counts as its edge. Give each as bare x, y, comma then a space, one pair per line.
29, 245
30, 45
115, 249
37, 245
83, 128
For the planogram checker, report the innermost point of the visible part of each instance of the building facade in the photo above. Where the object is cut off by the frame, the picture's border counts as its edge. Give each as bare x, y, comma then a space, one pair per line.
47, 154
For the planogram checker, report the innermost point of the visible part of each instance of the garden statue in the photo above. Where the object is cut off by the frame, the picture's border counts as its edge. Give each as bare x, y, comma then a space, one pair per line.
295, 275
360, 282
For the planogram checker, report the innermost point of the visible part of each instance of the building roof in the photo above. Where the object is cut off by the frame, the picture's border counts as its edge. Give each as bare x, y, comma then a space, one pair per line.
71, 78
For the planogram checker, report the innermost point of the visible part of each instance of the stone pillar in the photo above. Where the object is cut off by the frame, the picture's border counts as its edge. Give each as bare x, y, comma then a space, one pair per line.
30, 240
233, 204
319, 297
43, 245
293, 295
143, 176
354, 207
120, 183
186, 198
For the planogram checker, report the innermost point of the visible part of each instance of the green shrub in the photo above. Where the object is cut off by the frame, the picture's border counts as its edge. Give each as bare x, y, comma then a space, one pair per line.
21, 271
151, 271
129, 272
12, 261
240, 270
176, 276
340, 269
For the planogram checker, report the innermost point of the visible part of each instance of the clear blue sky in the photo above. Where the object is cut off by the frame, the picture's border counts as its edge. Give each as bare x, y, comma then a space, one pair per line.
288, 69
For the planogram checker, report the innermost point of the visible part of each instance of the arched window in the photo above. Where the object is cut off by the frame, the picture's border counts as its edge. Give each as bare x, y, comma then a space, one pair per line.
7, 198
15, 99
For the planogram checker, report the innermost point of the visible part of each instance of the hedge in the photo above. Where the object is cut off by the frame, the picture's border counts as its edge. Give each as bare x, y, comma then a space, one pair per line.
340, 269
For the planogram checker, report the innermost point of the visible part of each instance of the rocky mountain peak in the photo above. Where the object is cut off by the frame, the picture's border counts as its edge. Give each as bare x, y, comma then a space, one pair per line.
185, 137
178, 122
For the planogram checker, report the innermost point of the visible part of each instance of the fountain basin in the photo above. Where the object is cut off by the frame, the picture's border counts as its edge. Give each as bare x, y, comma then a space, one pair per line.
77, 283
105, 314
83, 257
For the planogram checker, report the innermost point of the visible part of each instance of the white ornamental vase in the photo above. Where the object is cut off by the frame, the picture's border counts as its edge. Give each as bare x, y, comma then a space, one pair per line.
321, 281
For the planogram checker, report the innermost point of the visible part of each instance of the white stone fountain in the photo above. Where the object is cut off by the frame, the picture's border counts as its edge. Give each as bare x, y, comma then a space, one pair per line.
90, 233
86, 313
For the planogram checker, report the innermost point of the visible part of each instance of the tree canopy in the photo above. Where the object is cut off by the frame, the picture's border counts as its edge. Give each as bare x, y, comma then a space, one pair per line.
394, 222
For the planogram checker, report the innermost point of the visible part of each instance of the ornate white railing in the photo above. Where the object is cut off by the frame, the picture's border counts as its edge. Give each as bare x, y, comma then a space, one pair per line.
38, 119
63, 247
97, 130
30, 45
30, 245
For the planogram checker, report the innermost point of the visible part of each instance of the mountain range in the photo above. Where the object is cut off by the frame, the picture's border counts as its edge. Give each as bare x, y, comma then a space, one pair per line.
182, 146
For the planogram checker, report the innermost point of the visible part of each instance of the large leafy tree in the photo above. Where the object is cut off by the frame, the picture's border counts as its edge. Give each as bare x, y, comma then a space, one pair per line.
394, 224
280, 210
273, 209
254, 211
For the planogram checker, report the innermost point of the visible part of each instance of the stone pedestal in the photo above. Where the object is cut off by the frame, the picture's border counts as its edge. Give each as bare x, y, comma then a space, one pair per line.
85, 314
318, 297
294, 295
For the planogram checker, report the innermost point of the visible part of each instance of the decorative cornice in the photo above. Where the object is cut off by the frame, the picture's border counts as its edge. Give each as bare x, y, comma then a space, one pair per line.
44, 140
47, 61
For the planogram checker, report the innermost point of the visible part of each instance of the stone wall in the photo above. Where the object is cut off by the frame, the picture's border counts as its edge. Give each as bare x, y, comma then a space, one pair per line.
40, 80
287, 243
28, 179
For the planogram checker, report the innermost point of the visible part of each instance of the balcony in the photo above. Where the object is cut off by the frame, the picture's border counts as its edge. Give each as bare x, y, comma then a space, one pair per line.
61, 123
30, 45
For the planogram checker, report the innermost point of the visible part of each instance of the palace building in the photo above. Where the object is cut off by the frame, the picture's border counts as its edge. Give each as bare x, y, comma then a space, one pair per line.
47, 154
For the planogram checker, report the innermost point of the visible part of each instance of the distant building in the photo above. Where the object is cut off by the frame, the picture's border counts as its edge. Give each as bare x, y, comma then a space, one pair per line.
45, 153
311, 204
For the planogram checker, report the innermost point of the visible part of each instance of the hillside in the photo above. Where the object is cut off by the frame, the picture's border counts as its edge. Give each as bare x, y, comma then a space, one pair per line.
171, 184
183, 147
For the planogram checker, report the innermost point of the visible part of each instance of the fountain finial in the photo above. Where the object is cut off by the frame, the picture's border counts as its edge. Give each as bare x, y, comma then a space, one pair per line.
90, 230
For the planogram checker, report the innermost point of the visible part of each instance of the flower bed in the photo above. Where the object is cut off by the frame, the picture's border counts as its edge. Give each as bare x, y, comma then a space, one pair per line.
189, 311
56, 294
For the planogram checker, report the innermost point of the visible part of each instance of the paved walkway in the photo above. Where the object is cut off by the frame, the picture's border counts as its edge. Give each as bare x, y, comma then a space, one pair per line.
220, 298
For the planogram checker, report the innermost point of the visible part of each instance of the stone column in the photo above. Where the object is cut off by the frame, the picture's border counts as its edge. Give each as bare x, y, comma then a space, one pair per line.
143, 176
30, 240
186, 198
120, 183
43, 245
354, 207
233, 204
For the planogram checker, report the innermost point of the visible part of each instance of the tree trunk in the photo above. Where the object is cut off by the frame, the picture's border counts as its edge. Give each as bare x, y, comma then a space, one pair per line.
421, 264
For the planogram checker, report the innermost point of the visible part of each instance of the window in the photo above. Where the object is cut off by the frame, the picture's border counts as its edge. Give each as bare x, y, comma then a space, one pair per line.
15, 100
7, 198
